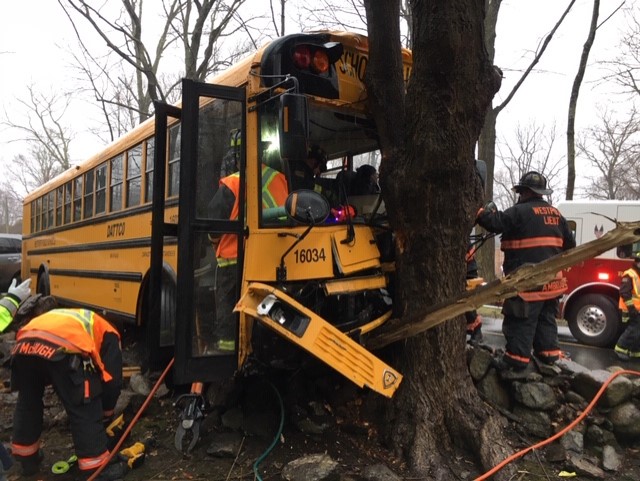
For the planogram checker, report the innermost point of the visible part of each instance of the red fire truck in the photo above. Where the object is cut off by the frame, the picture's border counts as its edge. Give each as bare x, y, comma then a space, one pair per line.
590, 305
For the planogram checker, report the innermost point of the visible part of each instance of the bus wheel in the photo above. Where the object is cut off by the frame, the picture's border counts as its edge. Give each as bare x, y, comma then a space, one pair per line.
43, 285
594, 320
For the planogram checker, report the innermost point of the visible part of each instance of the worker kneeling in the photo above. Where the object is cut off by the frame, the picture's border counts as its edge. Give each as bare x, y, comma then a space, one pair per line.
78, 353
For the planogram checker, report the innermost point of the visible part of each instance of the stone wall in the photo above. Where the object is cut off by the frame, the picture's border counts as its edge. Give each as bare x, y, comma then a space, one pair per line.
543, 400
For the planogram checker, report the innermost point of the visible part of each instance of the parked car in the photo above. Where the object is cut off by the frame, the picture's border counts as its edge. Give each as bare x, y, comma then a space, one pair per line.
10, 259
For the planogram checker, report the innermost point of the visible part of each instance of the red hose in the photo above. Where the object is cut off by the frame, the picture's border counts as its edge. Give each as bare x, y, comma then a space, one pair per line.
126, 432
561, 433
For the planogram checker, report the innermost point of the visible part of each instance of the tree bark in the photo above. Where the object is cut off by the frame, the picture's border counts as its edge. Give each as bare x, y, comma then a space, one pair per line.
427, 143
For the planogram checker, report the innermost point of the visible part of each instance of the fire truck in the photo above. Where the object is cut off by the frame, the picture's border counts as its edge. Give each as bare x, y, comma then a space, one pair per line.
590, 305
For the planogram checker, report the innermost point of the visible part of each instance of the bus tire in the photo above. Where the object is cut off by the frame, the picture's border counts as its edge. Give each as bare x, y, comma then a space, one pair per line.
43, 286
594, 320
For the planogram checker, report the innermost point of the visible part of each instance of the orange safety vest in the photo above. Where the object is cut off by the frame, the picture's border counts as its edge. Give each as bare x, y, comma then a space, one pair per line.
635, 296
75, 331
548, 291
274, 194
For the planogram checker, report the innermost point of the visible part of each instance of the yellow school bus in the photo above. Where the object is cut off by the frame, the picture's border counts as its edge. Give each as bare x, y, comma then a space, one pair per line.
137, 232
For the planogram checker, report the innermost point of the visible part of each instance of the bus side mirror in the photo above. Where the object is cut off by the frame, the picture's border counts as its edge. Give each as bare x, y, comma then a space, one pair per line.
294, 126
307, 207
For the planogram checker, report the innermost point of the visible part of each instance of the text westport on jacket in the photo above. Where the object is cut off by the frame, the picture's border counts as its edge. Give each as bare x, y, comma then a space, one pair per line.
532, 231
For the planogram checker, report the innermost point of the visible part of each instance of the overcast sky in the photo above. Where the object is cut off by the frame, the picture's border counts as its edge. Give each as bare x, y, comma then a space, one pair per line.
34, 35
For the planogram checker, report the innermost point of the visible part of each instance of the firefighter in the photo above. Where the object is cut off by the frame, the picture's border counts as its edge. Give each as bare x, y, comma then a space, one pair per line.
628, 345
16, 295
225, 205
532, 231
78, 353
474, 320
307, 174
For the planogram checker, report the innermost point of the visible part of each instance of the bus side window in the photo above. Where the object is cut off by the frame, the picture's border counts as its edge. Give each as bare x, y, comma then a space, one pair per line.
88, 194
101, 188
67, 203
134, 160
174, 161
50, 209
115, 184
59, 202
148, 170
77, 199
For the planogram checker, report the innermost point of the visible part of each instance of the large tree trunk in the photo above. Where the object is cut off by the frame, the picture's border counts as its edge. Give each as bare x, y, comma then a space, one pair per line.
432, 193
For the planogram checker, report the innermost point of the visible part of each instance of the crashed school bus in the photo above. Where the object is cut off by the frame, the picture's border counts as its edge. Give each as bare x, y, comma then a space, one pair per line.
212, 195
310, 271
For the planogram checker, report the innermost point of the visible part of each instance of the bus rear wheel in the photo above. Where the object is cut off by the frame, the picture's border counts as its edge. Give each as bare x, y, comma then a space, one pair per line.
43, 285
594, 320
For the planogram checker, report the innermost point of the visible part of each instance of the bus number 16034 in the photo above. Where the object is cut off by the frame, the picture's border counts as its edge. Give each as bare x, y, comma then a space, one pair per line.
304, 256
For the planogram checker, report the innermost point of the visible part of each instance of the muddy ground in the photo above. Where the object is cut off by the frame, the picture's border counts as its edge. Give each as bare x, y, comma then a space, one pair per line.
248, 434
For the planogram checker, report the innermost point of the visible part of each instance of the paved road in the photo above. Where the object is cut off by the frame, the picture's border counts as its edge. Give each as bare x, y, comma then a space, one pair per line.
588, 356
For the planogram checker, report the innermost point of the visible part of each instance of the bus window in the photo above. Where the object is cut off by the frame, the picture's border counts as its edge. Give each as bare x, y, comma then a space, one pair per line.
88, 194
174, 160
101, 188
115, 185
59, 202
148, 171
50, 208
67, 202
134, 159
77, 199
220, 134
43, 213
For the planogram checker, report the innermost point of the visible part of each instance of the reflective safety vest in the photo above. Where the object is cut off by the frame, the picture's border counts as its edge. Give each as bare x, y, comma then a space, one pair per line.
74, 331
635, 294
274, 194
8, 309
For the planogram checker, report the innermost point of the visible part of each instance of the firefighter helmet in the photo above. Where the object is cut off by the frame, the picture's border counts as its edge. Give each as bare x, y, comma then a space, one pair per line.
533, 181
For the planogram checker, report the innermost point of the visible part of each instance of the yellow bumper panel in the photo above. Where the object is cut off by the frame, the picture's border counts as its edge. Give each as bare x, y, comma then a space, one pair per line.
296, 323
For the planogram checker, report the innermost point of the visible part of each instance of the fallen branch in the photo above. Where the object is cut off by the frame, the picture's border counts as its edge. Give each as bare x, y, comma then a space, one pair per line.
525, 278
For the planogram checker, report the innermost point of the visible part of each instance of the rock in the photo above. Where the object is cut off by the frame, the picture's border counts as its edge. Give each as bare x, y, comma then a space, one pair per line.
610, 459
379, 472
315, 467
535, 395
585, 466
225, 445
140, 384
493, 390
537, 423
597, 436
573, 441
626, 420
588, 383
555, 453
479, 364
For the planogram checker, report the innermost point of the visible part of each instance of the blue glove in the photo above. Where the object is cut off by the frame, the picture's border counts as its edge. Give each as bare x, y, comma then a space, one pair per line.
20, 292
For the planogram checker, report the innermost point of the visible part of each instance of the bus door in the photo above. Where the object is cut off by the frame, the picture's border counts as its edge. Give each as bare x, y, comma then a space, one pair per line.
210, 229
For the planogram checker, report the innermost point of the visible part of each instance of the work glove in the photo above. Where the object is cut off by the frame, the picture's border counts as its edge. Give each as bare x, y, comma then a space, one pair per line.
20, 292
490, 207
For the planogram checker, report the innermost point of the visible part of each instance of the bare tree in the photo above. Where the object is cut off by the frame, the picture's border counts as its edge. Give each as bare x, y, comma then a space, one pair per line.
613, 149
10, 210
350, 15
624, 69
487, 141
532, 149
194, 27
43, 128
447, 97
573, 100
